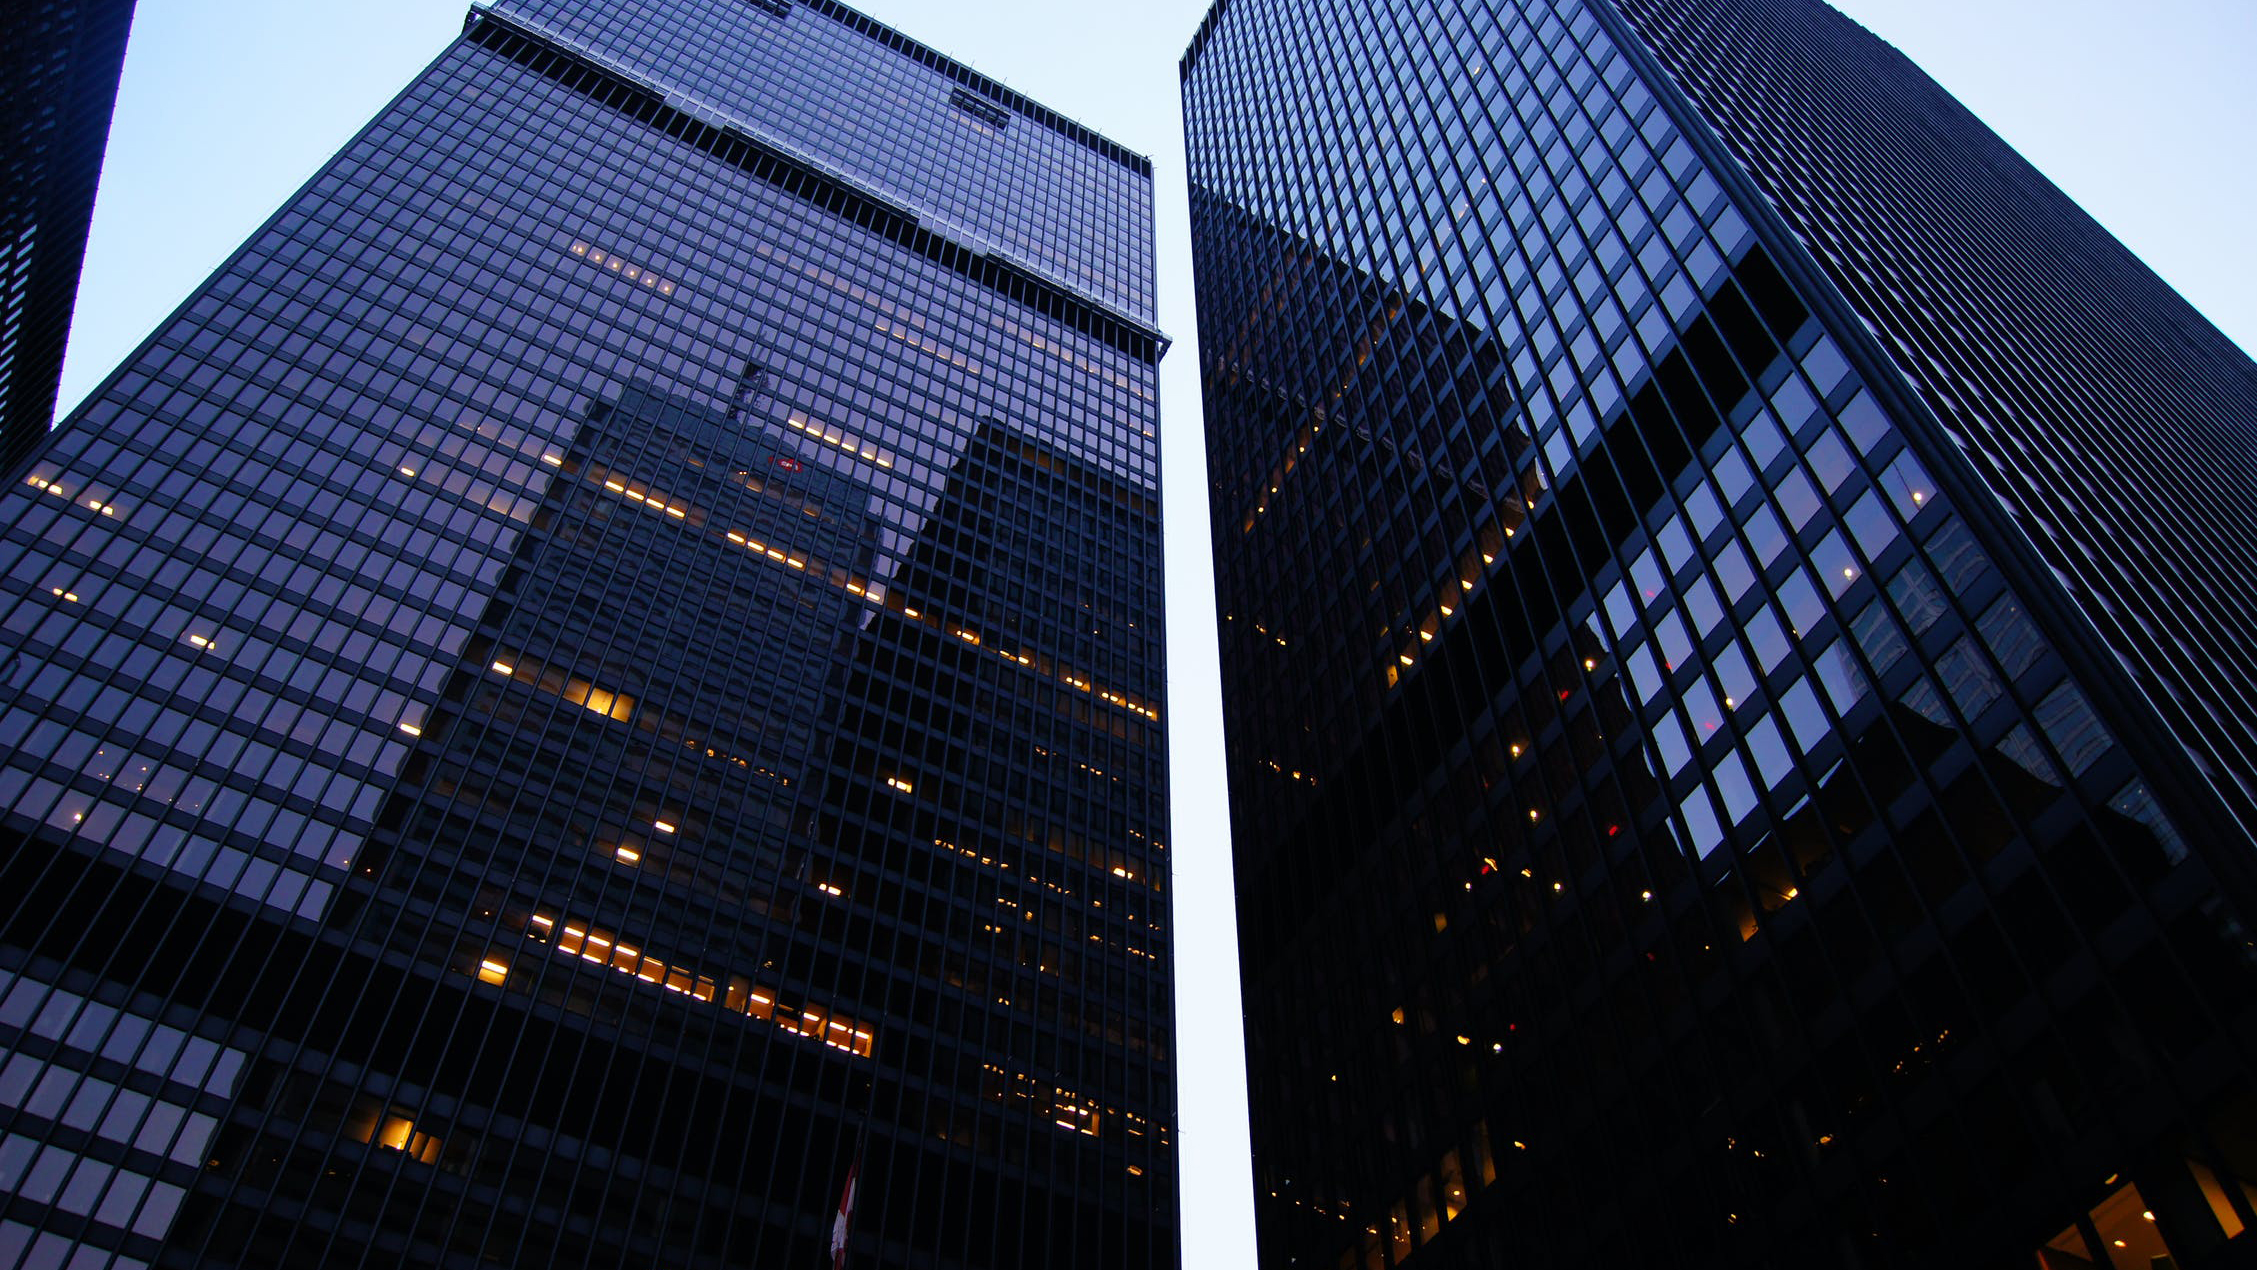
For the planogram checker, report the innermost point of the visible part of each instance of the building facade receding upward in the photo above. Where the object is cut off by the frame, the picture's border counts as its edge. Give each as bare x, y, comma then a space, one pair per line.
602, 675
1738, 717
59, 72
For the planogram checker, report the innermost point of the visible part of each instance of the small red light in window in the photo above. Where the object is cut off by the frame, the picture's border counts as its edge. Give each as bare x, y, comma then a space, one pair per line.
789, 465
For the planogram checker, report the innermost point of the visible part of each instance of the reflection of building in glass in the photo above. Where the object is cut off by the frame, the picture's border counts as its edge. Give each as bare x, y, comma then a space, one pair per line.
1679, 819
1020, 626
544, 717
58, 85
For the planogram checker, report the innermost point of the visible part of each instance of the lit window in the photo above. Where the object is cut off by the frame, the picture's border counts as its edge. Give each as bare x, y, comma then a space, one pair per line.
616, 705
391, 1131
493, 971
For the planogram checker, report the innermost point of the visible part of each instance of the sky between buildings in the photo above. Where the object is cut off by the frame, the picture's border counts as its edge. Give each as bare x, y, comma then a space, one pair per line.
2142, 112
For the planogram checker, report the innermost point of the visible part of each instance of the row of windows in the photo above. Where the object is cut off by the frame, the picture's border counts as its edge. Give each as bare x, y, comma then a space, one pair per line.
1075, 212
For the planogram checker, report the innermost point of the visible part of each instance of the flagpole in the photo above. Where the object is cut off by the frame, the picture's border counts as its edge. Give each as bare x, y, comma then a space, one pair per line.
842, 1228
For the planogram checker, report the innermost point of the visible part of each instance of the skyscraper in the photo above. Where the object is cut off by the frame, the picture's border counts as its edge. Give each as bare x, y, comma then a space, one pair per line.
59, 72
602, 673
1737, 756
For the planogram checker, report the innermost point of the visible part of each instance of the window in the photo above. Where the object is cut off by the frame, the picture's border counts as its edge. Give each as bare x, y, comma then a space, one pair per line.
980, 108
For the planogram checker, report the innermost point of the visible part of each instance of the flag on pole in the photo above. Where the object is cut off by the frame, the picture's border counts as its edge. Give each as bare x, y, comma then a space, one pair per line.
845, 1218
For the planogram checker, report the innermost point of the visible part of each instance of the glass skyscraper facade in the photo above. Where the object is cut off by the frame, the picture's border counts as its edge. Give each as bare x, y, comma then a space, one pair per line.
1711, 784
602, 672
59, 70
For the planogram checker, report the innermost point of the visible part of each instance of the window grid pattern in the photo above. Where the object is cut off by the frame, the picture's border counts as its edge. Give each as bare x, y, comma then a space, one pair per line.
2052, 381
609, 687
1076, 206
1657, 820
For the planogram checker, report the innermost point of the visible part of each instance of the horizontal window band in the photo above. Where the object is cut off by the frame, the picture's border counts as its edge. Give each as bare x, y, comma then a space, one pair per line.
624, 90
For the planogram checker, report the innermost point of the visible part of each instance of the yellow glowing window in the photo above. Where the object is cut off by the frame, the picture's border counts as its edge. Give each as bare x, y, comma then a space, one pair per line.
1453, 1187
492, 970
393, 1134
662, 826
1429, 1221
628, 855
2214, 1193
895, 782
398, 1133
616, 705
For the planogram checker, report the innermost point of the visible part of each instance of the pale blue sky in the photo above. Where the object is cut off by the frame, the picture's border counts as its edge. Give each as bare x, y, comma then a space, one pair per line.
2141, 111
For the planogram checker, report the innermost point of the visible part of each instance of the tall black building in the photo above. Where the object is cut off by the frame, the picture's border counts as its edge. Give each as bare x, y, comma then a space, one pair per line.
601, 673
59, 68
1739, 752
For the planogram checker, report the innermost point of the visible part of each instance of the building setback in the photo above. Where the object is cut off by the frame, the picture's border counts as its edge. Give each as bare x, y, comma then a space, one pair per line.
58, 86
604, 671
1738, 752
